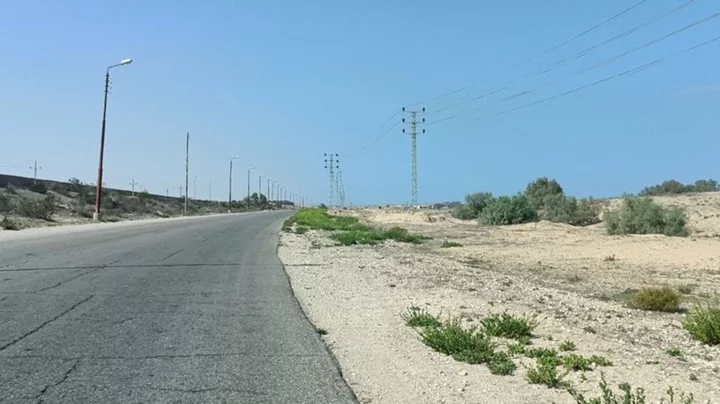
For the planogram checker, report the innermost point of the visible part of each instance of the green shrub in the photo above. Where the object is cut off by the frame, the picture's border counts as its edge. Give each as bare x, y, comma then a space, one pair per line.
546, 374
8, 224
703, 323
567, 346
464, 345
38, 209
301, 229
474, 205
417, 317
656, 299
542, 190
501, 364
643, 216
5, 204
627, 395
508, 326
373, 237
507, 210
561, 209
464, 212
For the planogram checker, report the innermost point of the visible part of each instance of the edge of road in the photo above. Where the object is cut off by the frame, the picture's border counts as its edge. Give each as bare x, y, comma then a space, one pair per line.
72, 228
304, 312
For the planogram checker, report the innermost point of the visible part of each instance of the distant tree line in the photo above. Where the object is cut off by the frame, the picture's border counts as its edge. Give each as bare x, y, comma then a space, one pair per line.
673, 187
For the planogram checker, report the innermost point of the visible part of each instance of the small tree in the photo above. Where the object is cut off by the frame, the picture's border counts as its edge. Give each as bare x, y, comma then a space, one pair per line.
643, 216
507, 210
538, 191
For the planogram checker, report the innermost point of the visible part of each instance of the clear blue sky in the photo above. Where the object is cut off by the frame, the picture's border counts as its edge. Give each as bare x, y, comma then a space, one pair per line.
282, 82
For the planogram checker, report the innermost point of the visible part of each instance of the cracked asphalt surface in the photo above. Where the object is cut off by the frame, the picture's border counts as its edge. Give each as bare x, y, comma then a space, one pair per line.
197, 310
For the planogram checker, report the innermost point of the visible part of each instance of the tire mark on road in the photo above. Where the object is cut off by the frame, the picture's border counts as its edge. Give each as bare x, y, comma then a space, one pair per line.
172, 255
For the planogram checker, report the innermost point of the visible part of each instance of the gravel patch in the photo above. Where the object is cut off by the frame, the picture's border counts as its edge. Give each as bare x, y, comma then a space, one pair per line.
358, 293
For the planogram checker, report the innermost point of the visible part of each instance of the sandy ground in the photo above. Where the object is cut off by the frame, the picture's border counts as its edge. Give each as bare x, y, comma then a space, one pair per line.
560, 273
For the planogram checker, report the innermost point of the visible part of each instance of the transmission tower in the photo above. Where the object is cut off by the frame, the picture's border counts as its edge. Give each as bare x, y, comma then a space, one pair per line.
340, 188
331, 164
413, 144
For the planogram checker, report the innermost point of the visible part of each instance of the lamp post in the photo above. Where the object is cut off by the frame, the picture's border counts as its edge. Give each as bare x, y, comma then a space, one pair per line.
230, 188
98, 190
259, 188
248, 196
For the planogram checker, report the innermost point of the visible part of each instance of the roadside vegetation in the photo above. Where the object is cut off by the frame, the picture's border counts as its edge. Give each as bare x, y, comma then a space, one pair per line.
703, 322
543, 199
640, 215
482, 344
656, 299
347, 230
27, 204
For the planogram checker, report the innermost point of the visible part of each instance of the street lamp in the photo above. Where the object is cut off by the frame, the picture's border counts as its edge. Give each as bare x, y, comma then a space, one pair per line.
98, 191
250, 169
260, 188
269, 197
230, 188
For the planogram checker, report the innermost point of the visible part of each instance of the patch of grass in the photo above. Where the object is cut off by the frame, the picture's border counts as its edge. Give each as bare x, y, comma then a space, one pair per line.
567, 346
544, 356
500, 364
371, 237
644, 216
8, 224
321, 331
301, 229
656, 299
576, 362
703, 323
508, 326
417, 317
674, 352
524, 340
464, 345
600, 360
516, 349
319, 219
450, 244
627, 395
590, 330
546, 374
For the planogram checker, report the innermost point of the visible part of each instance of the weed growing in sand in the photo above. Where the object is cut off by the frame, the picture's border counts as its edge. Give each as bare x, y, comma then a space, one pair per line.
656, 299
703, 323
628, 396
509, 326
567, 346
417, 317
450, 244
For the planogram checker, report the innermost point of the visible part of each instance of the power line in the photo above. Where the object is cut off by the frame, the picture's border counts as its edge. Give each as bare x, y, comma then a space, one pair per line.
375, 140
654, 41
615, 76
580, 54
543, 53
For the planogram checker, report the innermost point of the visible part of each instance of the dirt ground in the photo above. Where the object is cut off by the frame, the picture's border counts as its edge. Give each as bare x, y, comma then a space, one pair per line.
571, 277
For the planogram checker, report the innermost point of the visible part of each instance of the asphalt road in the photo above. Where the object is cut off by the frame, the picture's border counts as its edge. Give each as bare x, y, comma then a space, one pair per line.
186, 311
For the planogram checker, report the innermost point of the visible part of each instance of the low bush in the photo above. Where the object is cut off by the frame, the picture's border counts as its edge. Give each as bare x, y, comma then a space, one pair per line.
464, 345
643, 216
546, 374
567, 346
508, 326
627, 395
507, 210
703, 323
373, 237
5, 204
473, 207
8, 224
562, 209
417, 317
38, 209
501, 364
656, 299
464, 212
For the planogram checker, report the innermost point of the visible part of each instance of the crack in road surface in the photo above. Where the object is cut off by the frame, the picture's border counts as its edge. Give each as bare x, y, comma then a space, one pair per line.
61, 381
40, 327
